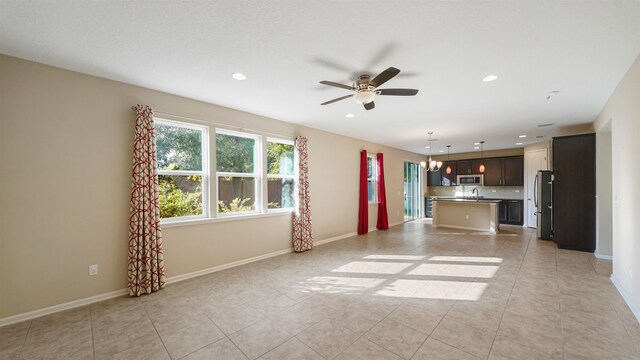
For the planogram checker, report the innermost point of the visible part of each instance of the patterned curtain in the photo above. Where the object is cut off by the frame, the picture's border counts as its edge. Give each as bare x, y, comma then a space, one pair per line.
302, 229
146, 264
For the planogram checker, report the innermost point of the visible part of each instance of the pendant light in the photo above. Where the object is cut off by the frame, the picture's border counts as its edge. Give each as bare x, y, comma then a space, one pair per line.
448, 169
433, 165
481, 157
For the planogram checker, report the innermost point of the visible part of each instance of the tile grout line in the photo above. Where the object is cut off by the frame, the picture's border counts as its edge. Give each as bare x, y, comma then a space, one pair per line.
25, 339
156, 330
93, 338
510, 293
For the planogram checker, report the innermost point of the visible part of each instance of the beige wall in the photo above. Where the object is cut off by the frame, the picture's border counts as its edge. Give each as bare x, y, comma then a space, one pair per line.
65, 147
623, 111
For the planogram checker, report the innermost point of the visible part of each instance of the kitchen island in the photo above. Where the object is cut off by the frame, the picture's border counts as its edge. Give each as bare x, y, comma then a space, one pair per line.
480, 215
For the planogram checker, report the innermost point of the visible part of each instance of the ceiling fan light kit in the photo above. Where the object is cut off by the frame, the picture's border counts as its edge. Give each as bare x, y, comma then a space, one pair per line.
366, 88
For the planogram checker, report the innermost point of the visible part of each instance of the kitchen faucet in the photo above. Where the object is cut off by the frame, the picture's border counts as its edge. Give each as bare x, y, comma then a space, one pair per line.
475, 190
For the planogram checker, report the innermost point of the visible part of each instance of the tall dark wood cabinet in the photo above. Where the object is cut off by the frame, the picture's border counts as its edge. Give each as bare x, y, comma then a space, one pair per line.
574, 192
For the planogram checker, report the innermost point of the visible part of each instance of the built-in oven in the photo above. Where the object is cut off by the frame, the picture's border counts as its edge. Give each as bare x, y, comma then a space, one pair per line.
477, 179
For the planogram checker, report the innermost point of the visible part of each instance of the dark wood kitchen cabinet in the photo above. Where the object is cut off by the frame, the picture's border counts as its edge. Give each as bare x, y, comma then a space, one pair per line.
513, 171
505, 171
510, 212
515, 212
492, 171
464, 167
574, 192
434, 178
451, 178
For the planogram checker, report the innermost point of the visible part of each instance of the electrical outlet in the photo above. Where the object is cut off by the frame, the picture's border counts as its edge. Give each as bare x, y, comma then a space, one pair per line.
93, 270
494, 191
466, 217
517, 191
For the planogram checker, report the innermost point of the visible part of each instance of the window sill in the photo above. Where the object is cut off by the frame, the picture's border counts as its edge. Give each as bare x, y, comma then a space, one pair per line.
373, 203
224, 219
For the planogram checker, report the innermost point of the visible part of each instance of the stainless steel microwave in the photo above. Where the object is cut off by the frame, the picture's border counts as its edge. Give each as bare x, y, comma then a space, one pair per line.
477, 180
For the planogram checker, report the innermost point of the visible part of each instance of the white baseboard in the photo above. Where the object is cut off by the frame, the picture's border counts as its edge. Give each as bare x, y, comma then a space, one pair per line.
634, 308
602, 256
113, 294
61, 307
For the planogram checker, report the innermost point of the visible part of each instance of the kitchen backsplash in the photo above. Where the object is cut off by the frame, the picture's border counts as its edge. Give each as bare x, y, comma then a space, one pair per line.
496, 192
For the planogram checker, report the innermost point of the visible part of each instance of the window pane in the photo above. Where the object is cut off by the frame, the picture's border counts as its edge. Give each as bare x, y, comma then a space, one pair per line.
280, 193
369, 167
180, 195
178, 148
236, 194
370, 190
234, 153
279, 158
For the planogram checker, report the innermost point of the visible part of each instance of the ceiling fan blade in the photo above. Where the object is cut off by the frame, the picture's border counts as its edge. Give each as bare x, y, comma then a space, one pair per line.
331, 83
337, 99
397, 92
384, 76
369, 106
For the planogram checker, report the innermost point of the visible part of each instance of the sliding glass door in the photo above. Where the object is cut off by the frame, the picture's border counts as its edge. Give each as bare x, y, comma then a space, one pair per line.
412, 191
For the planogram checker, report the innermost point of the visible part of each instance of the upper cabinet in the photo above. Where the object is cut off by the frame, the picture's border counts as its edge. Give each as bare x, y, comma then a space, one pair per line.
502, 171
449, 179
434, 178
513, 170
507, 171
464, 167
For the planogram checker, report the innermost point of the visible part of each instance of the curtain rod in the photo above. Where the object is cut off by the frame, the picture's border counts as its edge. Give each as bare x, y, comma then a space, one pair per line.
239, 128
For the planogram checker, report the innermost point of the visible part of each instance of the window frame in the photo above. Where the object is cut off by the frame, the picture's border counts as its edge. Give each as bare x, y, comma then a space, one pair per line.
373, 178
204, 173
256, 175
279, 176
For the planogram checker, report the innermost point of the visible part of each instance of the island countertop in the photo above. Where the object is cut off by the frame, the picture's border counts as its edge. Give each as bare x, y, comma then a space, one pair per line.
482, 201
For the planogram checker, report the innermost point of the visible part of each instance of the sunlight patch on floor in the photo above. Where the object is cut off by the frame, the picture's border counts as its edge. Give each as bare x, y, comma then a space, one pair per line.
394, 257
372, 267
467, 259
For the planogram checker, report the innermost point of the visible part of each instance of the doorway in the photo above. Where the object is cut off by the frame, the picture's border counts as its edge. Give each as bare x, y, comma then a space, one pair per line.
413, 207
535, 160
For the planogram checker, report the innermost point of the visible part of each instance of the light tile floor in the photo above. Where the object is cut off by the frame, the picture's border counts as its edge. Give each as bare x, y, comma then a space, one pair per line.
413, 292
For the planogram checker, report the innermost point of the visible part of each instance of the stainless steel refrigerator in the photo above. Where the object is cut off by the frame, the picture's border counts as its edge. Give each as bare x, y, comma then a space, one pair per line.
543, 196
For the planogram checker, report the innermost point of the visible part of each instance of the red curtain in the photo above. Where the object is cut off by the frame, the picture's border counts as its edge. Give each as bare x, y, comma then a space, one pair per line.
363, 209
146, 259
383, 219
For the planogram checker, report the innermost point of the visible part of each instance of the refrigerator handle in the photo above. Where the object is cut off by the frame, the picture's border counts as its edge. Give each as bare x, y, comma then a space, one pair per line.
535, 191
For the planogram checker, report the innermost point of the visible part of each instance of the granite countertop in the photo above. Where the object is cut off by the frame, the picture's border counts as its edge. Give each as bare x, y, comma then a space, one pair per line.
483, 201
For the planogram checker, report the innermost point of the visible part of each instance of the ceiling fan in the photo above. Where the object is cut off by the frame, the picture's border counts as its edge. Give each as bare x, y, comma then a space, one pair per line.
366, 88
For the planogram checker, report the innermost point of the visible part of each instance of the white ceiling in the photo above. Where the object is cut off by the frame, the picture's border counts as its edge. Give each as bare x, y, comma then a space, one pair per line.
444, 48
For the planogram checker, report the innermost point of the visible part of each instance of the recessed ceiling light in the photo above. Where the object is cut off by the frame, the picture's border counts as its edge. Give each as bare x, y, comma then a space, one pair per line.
518, 143
239, 76
522, 136
490, 78
476, 147
427, 147
441, 151
349, 116
476, 143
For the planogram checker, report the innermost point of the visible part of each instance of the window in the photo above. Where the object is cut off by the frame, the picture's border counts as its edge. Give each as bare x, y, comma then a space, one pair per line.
372, 175
237, 172
183, 181
280, 174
